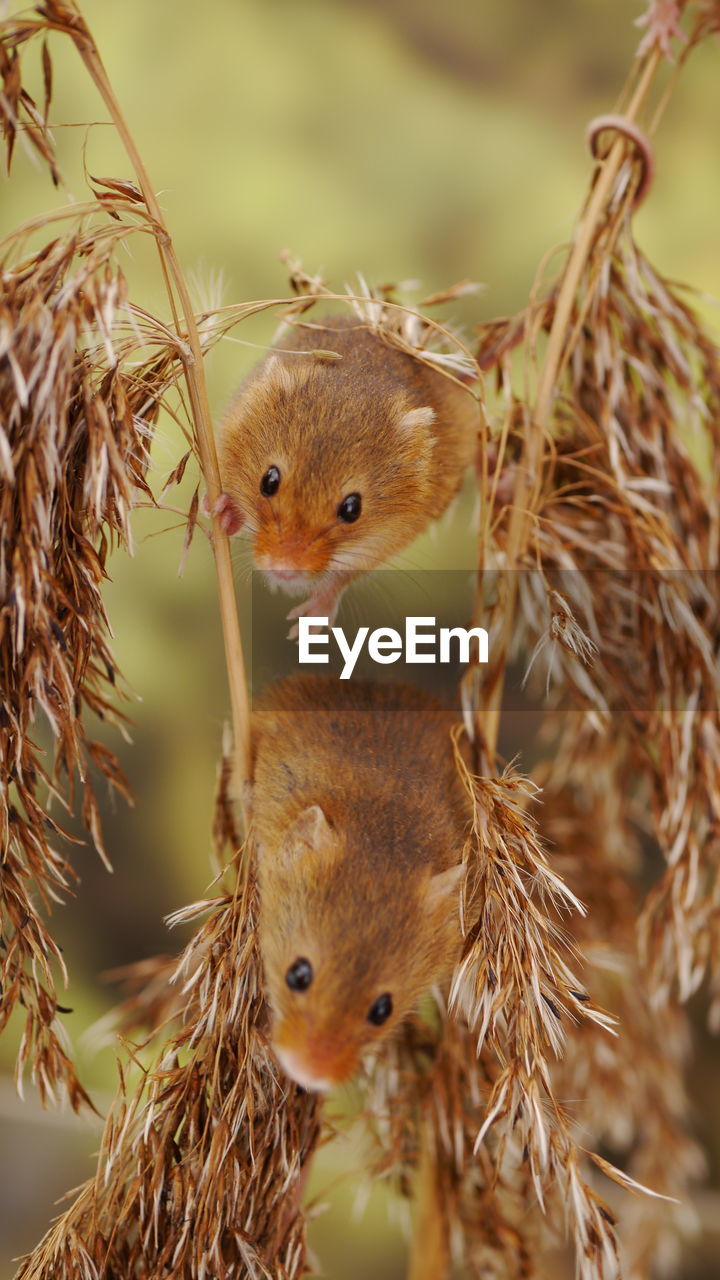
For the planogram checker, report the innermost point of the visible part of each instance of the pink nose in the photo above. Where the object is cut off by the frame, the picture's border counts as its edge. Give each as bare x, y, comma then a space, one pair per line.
302, 1073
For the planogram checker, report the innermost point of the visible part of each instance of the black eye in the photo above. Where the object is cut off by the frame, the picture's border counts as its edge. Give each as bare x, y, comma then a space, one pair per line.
270, 482
350, 508
299, 975
380, 1011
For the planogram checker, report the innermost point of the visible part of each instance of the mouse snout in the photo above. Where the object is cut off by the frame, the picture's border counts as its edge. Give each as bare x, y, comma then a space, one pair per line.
288, 555
318, 1062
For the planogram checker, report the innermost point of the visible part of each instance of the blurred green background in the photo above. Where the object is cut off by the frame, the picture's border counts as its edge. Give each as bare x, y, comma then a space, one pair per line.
401, 138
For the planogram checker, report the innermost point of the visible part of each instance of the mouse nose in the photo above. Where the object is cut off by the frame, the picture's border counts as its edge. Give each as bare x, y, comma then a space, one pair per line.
287, 554
283, 575
316, 1062
294, 1065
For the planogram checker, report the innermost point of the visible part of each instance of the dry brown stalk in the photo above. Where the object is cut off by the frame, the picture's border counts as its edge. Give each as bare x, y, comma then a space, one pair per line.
627, 544
593, 222
202, 1164
65, 306
74, 444
431, 1240
201, 1167
519, 540
591, 823
515, 1004
431, 1084
66, 17
626, 1091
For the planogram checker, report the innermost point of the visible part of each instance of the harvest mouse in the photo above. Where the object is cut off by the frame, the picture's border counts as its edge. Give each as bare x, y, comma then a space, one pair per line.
336, 452
359, 818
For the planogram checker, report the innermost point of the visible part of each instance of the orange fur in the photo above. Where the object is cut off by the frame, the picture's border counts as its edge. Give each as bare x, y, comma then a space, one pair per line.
376, 422
359, 818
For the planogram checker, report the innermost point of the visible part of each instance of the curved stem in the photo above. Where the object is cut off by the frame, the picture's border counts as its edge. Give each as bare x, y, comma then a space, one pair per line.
197, 390
527, 490
429, 1258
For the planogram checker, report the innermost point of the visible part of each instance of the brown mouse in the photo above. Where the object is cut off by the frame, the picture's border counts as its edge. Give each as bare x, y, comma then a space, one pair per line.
360, 819
332, 464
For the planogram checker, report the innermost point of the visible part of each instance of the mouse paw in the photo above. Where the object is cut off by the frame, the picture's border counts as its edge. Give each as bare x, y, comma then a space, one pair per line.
662, 22
227, 512
321, 605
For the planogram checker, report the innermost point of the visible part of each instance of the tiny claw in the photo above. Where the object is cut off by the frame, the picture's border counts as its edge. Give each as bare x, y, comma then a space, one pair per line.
319, 606
662, 21
227, 512
294, 631
297, 612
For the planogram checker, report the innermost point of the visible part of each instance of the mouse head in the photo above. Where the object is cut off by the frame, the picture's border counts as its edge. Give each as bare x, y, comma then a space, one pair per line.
326, 470
346, 959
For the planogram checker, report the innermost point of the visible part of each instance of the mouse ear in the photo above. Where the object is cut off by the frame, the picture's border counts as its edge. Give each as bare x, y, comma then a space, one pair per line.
310, 832
442, 889
277, 369
414, 418
414, 428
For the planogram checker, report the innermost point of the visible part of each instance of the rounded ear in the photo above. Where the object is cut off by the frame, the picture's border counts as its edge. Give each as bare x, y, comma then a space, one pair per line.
442, 889
417, 419
309, 833
277, 369
414, 426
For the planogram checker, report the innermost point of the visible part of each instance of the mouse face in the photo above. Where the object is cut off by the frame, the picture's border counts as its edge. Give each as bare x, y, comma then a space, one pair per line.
346, 955
326, 474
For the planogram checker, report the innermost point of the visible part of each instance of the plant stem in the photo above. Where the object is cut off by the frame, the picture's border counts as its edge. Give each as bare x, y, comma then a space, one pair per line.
429, 1258
527, 486
197, 389
430, 1254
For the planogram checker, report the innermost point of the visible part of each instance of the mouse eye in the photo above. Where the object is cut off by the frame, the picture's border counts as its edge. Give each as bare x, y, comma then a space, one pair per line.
380, 1011
270, 482
299, 975
350, 508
